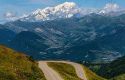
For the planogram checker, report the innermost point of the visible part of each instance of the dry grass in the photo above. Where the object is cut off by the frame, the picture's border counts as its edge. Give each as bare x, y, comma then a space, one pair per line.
67, 71
17, 66
91, 75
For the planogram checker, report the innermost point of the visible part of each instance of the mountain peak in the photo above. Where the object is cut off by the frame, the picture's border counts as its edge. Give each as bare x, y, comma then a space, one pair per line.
67, 5
68, 10
65, 10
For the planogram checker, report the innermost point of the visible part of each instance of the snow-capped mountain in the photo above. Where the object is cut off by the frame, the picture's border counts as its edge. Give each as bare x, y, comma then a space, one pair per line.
68, 10
65, 10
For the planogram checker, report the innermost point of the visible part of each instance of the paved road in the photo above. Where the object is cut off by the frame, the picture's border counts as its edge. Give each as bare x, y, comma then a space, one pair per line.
49, 73
79, 70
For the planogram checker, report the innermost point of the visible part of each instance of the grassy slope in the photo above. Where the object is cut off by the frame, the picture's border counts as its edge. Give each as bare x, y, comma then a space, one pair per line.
114, 69
120, 77
66, 70
15, 66
91, 75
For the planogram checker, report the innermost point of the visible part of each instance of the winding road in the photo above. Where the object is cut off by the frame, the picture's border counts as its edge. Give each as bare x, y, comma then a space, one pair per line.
50, 74
79, 70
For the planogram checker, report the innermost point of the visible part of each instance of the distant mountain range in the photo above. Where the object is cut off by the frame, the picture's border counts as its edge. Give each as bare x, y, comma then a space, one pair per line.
65, 10
67, 32
64, 32
68, 10
94, 37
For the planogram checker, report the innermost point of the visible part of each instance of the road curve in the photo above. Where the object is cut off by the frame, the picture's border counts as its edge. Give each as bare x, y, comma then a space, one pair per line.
79, 69
49, 73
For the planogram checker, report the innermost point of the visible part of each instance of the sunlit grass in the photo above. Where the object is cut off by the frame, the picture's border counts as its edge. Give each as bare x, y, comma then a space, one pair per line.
120, 77
91, 75
17, 66
67, 71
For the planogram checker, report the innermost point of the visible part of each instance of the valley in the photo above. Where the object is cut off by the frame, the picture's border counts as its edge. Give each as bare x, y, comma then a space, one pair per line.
17, 66
74, 39
62, 41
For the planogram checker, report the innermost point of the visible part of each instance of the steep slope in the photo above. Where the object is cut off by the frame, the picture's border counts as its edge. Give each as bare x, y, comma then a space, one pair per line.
6, 35
120, 77
91, 75
114, 70
17, 66
30, 43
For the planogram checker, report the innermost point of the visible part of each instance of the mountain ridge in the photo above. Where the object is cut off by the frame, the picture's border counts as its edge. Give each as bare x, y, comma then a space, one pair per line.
68, 10
72, 38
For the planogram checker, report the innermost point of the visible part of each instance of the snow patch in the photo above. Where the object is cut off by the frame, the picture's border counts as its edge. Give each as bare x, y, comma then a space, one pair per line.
38, 30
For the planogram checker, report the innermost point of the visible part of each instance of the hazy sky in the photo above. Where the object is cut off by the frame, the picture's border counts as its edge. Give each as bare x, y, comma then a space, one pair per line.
20, 7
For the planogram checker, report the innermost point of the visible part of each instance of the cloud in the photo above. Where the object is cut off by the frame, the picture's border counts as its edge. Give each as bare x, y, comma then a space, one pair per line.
110, 7
10, 16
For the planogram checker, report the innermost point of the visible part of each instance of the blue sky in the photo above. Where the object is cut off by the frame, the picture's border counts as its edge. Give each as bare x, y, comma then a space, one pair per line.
20, 7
